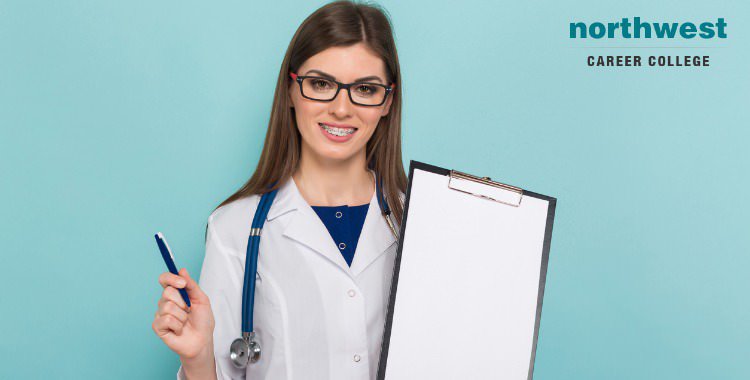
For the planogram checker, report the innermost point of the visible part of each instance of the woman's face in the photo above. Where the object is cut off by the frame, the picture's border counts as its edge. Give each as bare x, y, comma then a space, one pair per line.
339, 130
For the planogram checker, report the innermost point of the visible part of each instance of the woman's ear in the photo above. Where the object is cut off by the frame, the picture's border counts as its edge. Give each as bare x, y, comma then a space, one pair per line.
387, 107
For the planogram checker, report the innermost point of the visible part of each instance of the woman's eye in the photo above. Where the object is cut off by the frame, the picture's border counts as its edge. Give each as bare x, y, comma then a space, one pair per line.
320, 84
365, 89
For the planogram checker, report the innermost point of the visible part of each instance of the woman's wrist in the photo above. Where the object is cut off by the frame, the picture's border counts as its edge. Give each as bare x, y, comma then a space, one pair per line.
200, 366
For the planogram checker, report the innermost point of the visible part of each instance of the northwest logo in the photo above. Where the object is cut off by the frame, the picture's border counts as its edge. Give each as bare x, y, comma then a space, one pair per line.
639, 29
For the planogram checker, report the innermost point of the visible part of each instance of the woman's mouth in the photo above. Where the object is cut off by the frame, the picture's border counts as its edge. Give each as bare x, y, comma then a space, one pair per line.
337, 134
338, 131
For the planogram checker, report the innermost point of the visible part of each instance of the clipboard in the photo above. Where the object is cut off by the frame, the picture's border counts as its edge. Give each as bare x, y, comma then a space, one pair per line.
468, 280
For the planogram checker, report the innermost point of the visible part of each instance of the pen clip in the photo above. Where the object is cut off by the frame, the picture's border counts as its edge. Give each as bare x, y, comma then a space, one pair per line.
163, 240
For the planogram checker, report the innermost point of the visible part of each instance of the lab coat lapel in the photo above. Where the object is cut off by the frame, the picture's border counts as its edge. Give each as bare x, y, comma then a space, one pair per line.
306, 227
375, 239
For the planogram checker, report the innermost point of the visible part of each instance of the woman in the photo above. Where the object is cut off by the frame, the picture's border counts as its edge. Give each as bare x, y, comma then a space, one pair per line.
326, 253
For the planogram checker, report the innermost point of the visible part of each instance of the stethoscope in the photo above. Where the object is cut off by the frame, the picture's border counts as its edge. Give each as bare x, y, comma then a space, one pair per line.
246, 349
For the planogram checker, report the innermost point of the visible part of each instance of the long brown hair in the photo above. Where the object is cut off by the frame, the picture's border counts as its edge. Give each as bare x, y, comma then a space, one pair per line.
341, 23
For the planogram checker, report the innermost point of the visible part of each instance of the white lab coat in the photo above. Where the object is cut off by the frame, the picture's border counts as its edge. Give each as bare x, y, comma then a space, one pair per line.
315, 317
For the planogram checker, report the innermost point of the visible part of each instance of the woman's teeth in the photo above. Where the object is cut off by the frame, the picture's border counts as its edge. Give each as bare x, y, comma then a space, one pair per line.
337, 131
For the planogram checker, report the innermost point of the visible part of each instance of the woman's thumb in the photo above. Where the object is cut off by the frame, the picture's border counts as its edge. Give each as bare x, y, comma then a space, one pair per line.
194, 291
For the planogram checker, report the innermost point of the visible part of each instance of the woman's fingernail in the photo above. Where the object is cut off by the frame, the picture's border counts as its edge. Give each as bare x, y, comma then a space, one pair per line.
181, 283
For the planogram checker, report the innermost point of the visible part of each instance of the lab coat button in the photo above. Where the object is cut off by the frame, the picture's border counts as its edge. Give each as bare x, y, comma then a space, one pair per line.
351, 293
342, 245
339, 214
357, 358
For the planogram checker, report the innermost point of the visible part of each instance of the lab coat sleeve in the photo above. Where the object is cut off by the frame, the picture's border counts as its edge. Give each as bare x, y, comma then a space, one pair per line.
221, 279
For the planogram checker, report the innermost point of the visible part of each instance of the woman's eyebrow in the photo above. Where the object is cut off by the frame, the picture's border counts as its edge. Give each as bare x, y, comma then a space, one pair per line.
331, 77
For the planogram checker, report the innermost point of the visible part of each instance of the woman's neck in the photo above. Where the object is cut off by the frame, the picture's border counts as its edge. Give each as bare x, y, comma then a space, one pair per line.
324, 182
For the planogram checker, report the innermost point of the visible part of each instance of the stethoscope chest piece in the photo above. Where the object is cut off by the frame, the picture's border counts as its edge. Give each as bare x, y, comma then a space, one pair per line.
244, 350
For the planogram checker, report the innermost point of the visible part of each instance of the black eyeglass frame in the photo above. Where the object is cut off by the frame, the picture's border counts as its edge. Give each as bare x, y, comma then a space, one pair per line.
346, 86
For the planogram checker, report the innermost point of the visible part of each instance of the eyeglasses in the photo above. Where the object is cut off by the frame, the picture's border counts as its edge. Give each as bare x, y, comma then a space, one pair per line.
325, 90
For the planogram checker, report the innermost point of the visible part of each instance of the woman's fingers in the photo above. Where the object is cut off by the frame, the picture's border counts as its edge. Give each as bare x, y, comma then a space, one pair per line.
169, 307
184, 280
167, 323
173, 295
194, 291
173, 280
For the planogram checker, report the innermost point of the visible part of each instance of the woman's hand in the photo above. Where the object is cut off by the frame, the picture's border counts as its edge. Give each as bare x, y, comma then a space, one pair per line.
186, 331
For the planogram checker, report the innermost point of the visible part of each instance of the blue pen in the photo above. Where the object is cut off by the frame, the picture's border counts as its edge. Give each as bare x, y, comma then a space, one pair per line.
166, 254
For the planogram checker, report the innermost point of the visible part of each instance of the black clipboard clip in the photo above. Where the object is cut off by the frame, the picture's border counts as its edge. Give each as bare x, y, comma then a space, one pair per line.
477, 186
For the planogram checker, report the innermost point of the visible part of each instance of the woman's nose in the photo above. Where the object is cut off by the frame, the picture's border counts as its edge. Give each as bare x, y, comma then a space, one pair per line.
341, 106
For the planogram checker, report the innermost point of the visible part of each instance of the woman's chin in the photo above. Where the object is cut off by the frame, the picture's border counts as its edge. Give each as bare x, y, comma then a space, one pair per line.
329, 153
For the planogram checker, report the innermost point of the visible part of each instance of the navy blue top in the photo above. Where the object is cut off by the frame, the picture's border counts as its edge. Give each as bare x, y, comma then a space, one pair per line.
344, 223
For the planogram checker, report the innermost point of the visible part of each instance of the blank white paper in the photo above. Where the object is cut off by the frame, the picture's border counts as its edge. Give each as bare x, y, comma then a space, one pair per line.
468, 285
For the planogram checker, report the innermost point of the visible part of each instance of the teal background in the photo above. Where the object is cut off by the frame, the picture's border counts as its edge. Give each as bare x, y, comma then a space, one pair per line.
120, 119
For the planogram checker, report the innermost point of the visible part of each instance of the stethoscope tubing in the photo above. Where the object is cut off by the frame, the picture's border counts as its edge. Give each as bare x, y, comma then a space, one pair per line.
251, 259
